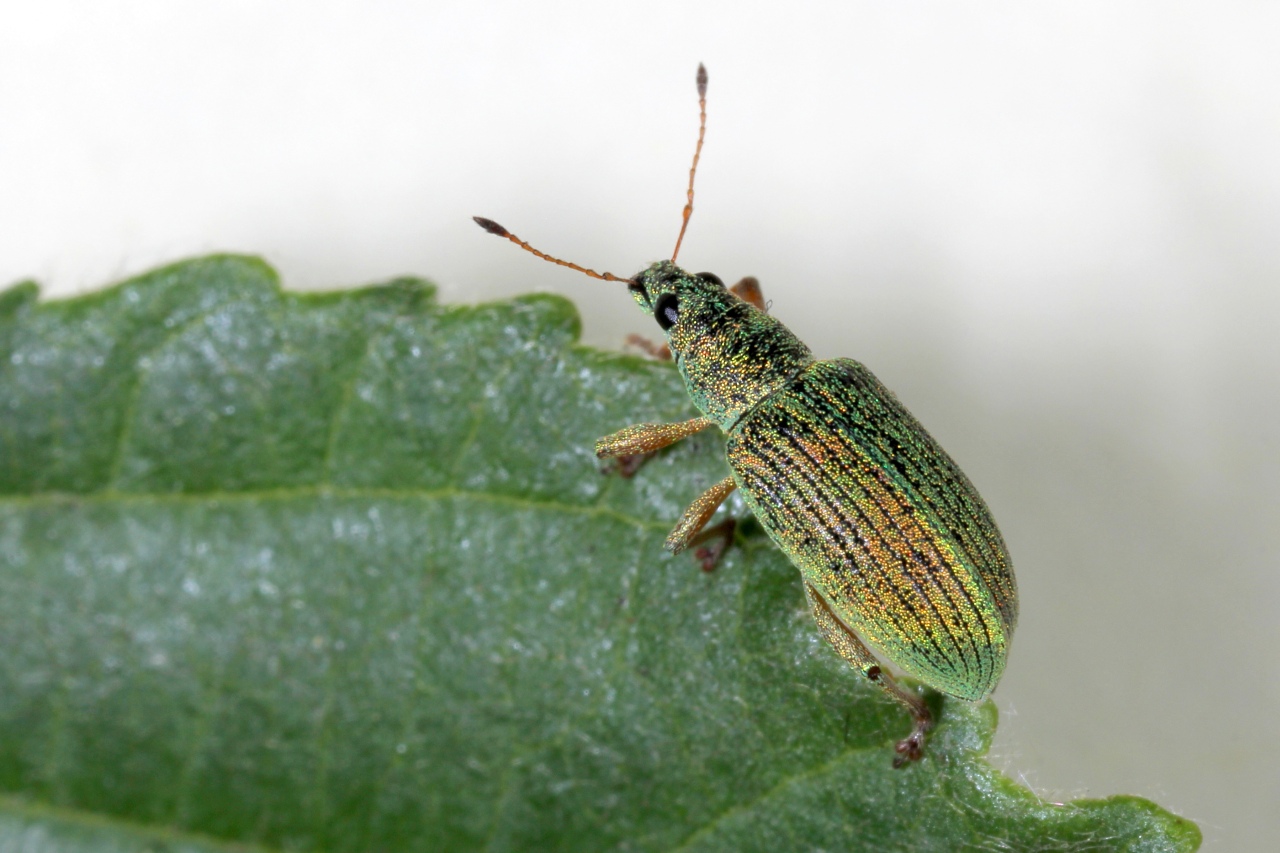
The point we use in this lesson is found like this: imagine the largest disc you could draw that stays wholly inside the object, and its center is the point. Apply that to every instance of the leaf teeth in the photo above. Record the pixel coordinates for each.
(491, 226)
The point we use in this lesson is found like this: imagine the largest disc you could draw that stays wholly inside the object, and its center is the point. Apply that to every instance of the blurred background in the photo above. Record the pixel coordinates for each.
(1052, 228)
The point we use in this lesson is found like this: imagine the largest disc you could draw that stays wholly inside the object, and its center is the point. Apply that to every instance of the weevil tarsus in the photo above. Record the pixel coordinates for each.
(852, 649)
(689, 531)
(709, 545)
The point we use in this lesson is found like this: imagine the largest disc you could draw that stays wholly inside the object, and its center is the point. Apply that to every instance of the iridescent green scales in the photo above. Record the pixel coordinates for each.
(882, 523)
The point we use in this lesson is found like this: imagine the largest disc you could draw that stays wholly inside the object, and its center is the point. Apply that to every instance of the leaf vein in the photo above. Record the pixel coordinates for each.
(135, 390)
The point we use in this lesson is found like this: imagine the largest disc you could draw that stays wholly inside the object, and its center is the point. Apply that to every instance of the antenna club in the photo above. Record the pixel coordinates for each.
(494, 228)
(702, 80)
(491, 226)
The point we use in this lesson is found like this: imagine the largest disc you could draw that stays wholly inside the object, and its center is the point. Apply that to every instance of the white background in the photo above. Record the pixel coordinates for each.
(1052, 228)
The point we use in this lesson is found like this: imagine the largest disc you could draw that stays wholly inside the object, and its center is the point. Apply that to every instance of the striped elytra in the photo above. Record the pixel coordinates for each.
(882, 523)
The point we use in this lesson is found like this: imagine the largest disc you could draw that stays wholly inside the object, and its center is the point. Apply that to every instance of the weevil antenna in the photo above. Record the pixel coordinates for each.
(697, 152)
(494, 228)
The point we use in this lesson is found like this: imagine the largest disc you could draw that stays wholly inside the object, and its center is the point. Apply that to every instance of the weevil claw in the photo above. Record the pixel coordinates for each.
(908, 749)
(911, 747)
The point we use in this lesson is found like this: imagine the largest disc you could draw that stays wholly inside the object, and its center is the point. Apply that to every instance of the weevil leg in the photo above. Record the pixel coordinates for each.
(748, 290)
(686, 532)
(712, 543)
(661, 352)
(625, 466)
(631, 446)
(849, 647)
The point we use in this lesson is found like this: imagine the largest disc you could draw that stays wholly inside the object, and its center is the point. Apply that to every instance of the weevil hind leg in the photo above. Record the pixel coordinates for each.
(689, 533)
(633, 445)
(849, 647)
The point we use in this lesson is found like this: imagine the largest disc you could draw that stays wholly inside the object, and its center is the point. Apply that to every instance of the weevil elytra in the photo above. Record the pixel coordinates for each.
(895, 547)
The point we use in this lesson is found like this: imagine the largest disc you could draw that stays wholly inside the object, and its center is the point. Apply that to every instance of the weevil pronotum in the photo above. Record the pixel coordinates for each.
(895, 547)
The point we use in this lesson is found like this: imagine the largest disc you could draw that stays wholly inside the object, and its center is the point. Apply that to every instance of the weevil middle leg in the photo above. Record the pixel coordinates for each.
(686, 532)
(849, 647)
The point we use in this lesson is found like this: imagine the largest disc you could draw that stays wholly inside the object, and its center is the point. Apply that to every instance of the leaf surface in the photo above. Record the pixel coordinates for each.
(340, 572)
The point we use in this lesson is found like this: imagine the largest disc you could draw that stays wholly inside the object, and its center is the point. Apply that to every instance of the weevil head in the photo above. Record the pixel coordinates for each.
(730, 353)
(684, 305)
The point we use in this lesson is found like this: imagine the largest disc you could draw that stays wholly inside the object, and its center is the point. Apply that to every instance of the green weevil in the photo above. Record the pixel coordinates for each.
(895, 547)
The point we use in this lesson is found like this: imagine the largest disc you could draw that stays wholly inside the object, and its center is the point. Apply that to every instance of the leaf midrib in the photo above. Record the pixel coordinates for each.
(284, 495)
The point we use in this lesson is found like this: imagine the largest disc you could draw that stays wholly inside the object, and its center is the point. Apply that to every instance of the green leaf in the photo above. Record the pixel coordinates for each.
(339, 572)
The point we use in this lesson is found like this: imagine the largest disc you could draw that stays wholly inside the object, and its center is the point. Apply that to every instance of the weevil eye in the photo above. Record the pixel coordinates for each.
(667, 311)
(711, 278)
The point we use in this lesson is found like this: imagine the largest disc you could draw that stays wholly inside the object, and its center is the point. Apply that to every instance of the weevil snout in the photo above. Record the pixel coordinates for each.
(663, 277)
(651, 282)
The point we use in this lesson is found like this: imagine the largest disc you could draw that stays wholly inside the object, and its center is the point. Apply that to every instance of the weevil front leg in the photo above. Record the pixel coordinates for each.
(686, 532)
(849, 647)
(748, 290)
(630, 446)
